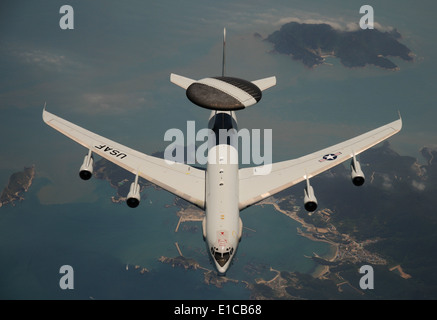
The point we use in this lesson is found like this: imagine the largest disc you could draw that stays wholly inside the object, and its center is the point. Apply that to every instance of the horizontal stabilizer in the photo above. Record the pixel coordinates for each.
(181, 81)
(265, 83)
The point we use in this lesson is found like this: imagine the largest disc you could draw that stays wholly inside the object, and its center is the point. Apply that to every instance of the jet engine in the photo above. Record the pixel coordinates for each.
(133, 197)
(310, 201)
(357, 174)
(86, 170)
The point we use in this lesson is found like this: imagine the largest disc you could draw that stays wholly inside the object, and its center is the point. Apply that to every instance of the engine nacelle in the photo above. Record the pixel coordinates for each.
(86, 170)
(133, 197)
(310, 201)
(357, 174)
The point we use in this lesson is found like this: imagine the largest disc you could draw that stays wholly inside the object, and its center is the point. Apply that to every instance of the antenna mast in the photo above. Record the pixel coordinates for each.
(224, 56)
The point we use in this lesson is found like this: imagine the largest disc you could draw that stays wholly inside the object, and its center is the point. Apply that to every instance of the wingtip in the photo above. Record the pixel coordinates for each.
(399, 122)
(400, 118)
(44, 112)
(44, 109)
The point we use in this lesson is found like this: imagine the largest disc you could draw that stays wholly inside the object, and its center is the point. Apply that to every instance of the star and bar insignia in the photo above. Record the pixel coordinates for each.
(330, 157)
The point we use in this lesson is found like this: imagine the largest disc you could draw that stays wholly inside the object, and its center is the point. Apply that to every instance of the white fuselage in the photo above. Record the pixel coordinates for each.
(222, 226)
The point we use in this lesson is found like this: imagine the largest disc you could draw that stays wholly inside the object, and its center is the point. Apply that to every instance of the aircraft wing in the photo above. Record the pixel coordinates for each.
(180, 179)
(256, 187)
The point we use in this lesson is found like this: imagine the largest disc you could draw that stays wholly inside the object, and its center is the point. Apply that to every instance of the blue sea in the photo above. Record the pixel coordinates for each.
(103, 242)
(111, 75)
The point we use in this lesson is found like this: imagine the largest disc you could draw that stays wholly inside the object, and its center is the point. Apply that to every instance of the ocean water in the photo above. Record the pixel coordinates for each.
(98, 240)
(111, 75)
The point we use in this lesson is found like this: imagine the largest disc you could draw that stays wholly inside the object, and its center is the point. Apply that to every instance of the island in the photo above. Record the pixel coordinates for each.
(210, 276)
(180, 261)
(19, 183)
(312, 43)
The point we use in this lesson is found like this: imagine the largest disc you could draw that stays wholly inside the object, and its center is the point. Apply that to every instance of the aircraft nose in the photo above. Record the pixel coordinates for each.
(222, 270)
(222, 257)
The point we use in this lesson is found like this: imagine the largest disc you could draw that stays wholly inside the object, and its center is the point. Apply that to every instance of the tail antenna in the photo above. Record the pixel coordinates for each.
(224, 56)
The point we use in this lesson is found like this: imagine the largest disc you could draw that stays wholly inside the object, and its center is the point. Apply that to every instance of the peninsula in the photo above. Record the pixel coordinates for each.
(311, 43)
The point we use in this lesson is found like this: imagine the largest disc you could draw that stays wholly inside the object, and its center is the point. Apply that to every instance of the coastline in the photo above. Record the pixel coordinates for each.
(308, 227)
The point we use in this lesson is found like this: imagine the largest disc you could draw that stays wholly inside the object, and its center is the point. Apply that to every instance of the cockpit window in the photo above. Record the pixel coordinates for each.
(222, 257)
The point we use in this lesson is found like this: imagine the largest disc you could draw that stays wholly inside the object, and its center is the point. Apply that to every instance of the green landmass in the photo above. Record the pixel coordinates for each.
(310, 43)
(19, 183)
